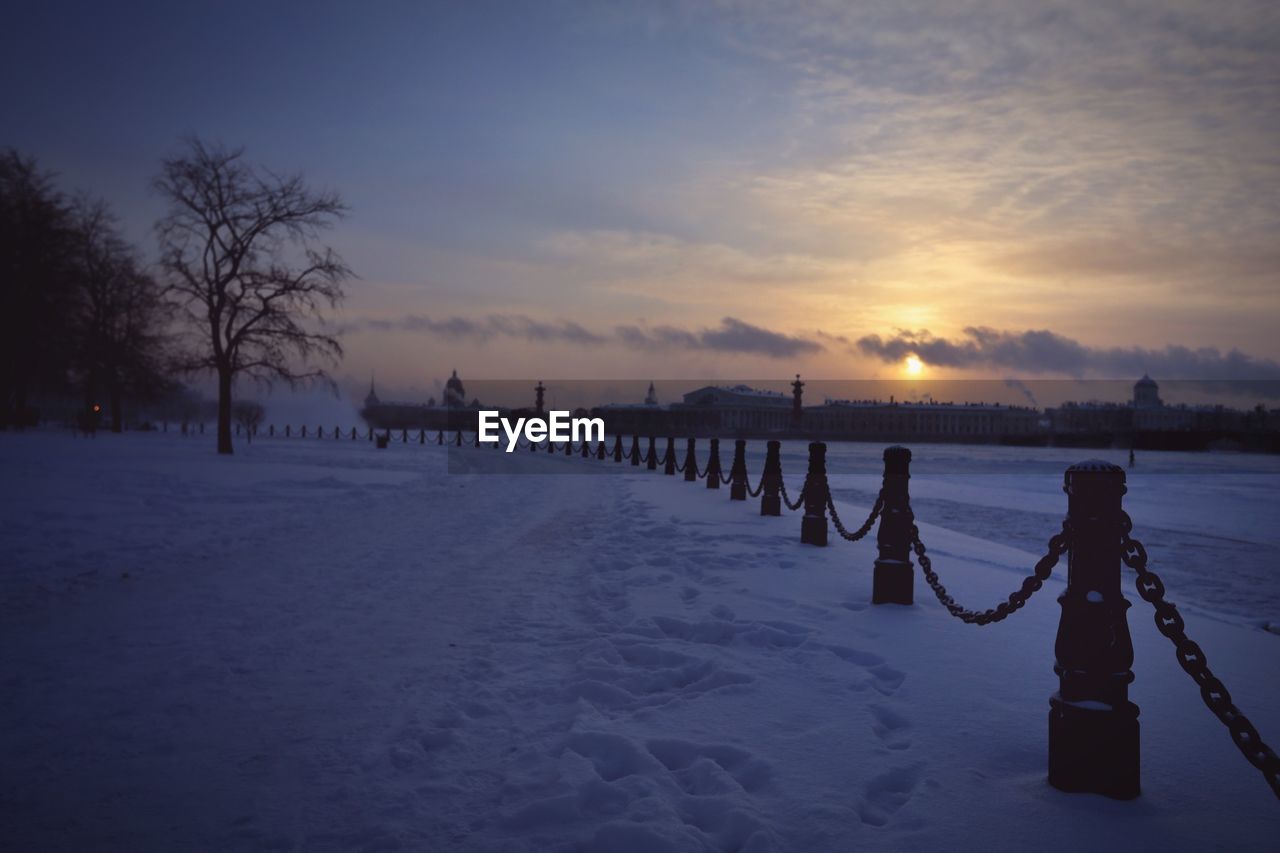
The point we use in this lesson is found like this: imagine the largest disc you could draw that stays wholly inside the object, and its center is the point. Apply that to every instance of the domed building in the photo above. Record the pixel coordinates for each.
(454, 394)
(1146, 393)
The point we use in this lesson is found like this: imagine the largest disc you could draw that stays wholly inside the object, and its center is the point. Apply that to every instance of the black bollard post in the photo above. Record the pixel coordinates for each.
(551, 445)
(652, 463)
(568, 447)
(422, 436)
(586, 449)
(337, 433)
(601, 453)
(669, 459)
(287, 430)
(354, 434)
(617, 448)
(771, 480)
(271, 431)
(320, 431)
(713, 465)
(1093, 727)
(440, 436)
(738, 471)
(457, 439)
(813, 527)
(477, 438)
(370, 434)
(690, 462)
(404, 436)
(304, 431)
(634, 455)
(237, 430)
(892, 581)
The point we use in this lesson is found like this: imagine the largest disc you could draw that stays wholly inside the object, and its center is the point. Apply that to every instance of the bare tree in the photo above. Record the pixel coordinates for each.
(249, 414)
(119, 314)
(238, 247)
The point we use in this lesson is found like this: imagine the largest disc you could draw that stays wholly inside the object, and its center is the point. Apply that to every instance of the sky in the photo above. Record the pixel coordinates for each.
(997, 188)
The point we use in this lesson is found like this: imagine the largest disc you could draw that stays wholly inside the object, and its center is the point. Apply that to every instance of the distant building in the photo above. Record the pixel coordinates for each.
(738, 408)
(1146, 393)
(454, 394)
(1148, 422)
(874, 419)
(453, 412)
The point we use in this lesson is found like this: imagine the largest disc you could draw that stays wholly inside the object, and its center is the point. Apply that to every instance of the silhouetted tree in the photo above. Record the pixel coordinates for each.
(35, 286)
(249, 414)
(238, 249)
(118, 317)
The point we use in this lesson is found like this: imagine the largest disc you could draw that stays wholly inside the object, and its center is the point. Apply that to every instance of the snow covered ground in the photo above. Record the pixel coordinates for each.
(318, 646)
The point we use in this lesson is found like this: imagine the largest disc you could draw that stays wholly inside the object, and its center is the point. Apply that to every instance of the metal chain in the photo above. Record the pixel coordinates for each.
(1059, 544)
(726, 479)
(1212, 691)
(866, 525)
(755, 493)
(782, 488)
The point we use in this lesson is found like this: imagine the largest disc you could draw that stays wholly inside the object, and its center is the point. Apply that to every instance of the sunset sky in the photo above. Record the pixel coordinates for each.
(614, 190)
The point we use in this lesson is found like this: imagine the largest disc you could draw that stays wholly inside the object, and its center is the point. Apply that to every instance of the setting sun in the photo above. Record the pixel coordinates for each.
(914, 366)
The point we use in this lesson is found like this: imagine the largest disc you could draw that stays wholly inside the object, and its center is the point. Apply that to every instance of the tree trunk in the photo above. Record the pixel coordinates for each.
(113, 400)
(224, 412)
(20, 403)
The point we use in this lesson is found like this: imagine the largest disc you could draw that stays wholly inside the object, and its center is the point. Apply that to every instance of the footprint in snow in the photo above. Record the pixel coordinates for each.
(889, 792)
(891, 727)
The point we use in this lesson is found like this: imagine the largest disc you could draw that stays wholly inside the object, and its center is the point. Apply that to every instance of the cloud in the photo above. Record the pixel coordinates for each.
(731, 336)
(486, 328)
(1042, 351)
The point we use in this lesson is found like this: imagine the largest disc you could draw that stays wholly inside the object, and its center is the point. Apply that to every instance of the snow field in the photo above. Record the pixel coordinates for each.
(320, 646)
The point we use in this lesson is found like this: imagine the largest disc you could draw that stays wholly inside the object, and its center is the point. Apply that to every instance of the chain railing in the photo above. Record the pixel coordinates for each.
(782, 489)
(1059, 544)
(1214, 693)
(866, 525)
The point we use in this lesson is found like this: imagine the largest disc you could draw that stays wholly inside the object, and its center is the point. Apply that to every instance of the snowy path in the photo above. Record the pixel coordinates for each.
(323, 647)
